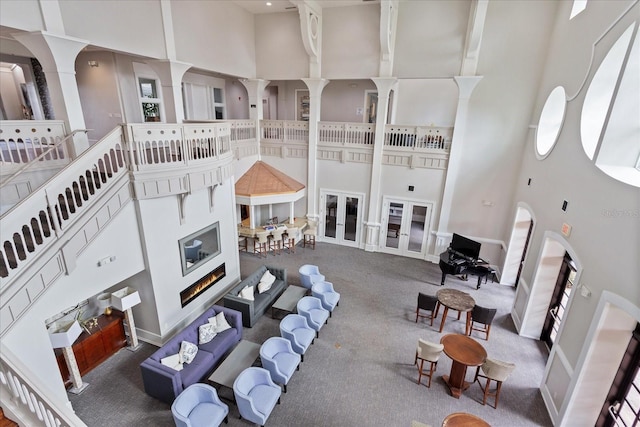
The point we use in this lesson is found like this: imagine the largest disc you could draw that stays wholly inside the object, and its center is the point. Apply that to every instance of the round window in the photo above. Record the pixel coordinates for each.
(550, 122)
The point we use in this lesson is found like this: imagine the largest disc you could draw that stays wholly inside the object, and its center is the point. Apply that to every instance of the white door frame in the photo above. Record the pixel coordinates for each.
(342, 195)
(403, 246)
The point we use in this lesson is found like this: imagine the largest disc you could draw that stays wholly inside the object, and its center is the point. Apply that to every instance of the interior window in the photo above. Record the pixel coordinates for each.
(610, 120)
(550, 122)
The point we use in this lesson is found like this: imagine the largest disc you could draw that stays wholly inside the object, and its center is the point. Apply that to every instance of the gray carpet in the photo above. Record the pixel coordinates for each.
(360, 371)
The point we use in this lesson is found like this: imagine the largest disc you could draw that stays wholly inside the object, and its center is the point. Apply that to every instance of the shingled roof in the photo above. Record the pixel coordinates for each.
(263, 180)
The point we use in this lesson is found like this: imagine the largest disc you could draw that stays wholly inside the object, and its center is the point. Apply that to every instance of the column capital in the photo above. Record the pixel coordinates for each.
(315, 85)
(466, 85)
(255, 85)
(168, 70)
(384, 85)
(55, 52)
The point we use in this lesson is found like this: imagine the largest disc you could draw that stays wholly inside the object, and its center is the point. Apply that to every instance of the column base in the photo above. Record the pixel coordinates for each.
(78, 390)
(136, 348)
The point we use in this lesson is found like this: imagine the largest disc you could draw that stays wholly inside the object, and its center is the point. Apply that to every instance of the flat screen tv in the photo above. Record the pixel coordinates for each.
(465, 246)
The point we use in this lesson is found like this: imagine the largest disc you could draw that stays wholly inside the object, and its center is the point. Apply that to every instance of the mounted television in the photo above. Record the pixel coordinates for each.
(465, 246)
(199, 247)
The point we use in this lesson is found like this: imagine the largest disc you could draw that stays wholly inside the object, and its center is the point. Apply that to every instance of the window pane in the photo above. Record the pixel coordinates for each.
(148, 88)
(219, 113)
(151, 112)
(217, 95)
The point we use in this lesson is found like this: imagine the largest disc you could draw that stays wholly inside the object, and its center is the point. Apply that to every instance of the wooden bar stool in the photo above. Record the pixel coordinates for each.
(289, 239)
(275, 240)
(309, 234)
(261, 243)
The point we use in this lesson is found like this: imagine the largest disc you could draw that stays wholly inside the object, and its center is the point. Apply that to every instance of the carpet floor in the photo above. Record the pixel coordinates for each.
(360, 370)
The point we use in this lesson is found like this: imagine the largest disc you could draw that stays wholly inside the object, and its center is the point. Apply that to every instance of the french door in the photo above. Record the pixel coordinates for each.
(405, 227)
(559, 301)
(342, 217)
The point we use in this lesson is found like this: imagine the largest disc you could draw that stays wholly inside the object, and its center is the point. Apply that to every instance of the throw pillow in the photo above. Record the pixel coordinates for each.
(188, 351)
(247, 293)
(206, 333)
(172, 361)
(268, 278)
(263, 287)
(221, 323)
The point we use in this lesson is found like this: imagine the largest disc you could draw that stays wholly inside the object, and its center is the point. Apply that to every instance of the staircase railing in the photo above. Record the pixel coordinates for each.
(23, 397)
(32, 225)
(51, 152)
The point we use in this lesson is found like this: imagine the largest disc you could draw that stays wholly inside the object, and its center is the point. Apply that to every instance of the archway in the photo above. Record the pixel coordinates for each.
(518, 245)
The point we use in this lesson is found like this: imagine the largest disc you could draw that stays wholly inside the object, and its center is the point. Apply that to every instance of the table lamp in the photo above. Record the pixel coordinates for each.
(63, 336)
(123, 300)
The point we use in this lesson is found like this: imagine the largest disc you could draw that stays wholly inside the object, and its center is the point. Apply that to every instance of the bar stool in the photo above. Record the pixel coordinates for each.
(261, 243)
(242, 244)
(310, 234)
(275, 240)
(289, 239)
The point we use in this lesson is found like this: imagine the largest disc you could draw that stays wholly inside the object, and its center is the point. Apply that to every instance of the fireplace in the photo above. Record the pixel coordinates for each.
(195, 290)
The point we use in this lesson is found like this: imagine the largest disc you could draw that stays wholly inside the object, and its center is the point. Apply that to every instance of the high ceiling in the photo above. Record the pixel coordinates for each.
(260, 6)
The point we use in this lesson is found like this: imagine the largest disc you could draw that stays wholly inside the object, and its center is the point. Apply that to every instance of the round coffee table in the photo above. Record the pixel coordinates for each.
(463, 351)
(455, 300)
(464, 419)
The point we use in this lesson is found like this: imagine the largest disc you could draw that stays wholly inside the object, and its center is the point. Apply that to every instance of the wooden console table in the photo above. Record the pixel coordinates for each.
(93, 349)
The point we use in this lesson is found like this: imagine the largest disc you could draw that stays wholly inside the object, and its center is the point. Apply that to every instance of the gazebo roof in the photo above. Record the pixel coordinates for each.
(264, 180)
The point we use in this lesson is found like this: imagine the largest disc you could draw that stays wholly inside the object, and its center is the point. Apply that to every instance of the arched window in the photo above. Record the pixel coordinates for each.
(610, 120)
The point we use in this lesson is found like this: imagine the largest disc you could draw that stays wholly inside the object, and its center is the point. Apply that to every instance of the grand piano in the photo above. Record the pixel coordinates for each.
(463, 258)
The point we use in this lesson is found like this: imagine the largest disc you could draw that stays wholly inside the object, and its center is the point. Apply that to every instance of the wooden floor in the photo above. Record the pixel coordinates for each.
(5, 422)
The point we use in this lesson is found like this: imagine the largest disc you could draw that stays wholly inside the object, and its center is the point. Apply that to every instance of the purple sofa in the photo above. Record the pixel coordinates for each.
(165, 383)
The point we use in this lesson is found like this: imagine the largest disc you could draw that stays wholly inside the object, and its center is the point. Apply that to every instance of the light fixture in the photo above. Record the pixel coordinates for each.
(104, 303)
(123, 300)
(93, 64)
(63, 336)
(268, 3)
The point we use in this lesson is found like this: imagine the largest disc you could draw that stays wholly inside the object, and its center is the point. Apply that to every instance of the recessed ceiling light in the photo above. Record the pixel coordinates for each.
(268, 3)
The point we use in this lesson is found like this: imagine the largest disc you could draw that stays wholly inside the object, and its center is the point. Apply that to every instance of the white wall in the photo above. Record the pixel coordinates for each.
(202, 36)
(161, 234)
(430, 38)
(21, 14)
(341, 100)
(280, 53)
(87, 279)
(603, 213)
(11, 100)
(426, 102)
(499, 116)
(351, 42)
(127, 26)
(98, 83)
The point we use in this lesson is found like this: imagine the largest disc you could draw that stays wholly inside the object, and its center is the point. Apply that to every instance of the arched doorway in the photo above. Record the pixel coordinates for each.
(531, 304)
(518, 245)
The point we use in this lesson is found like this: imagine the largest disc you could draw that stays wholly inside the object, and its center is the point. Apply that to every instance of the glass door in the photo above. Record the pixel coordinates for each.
(341, 212)
(405, 227)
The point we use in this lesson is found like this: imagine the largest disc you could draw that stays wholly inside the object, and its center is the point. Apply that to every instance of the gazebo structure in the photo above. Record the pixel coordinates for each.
(265, 185)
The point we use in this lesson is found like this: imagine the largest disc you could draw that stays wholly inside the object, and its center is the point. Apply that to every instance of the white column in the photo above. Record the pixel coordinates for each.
(74, 371)
(384, 86)
(466, 85)
(170, 73)
(315, 101)
(255, 91)
(57, 54)
(133, 334)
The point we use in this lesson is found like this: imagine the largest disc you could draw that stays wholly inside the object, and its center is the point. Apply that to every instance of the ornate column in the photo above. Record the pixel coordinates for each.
(255, 90)
(466, 85)
(57, 54)
(170, 74)
(315, 101)
(372, 225)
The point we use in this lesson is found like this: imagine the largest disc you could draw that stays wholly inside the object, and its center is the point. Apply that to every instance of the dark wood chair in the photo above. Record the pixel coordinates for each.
(427, 303)
(481, 318)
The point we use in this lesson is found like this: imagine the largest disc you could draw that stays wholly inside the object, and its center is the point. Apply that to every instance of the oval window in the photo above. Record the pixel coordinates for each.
(550, 122)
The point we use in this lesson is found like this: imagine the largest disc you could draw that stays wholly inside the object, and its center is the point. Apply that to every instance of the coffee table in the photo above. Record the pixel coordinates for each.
(243, 356)
(464, 352)
(455, 300)
(288, 300)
